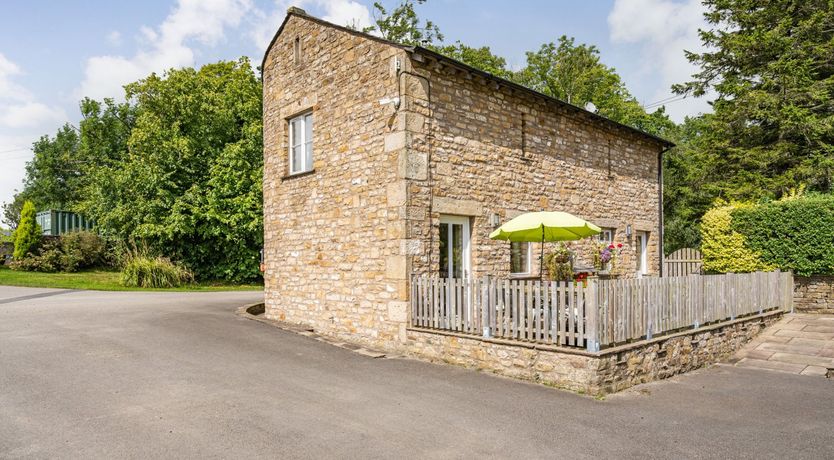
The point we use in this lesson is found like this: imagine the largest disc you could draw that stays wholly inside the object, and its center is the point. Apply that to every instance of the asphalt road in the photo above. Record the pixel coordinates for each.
(178, 375)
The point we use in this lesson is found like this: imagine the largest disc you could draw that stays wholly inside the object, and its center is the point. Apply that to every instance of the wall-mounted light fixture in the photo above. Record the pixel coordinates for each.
(494, 220)
(628, 231)
(395, 101)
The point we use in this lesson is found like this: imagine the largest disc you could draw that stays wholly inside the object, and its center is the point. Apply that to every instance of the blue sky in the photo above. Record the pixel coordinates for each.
(53, 53)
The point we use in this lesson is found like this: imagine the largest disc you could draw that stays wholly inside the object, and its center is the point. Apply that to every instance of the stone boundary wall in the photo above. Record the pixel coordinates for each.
(609, 371)
(813, 294)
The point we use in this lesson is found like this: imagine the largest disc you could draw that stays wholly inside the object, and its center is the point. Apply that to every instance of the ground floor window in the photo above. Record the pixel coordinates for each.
(520, 258)
(642, 253)
(454, 247)
(606, 235)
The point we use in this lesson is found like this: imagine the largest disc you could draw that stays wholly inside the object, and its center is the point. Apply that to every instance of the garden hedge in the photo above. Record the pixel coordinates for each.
(793, 234)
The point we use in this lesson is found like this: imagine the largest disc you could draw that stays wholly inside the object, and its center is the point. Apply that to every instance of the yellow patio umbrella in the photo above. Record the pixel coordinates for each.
(542, 226)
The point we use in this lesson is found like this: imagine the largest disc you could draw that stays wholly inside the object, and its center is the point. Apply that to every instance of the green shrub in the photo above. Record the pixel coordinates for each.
(28, 232)
(725, 250)
(48, 258)
(793, 234)
(82, 249)
(142, 270)
(68, 253)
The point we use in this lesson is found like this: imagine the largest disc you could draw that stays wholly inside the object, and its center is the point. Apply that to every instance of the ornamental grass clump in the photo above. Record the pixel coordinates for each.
(146, 271)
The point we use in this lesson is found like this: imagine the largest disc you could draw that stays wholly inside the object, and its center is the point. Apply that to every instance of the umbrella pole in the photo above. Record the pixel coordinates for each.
(541, 256)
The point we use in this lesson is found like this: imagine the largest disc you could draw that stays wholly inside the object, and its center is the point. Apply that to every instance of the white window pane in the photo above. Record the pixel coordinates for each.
(308, 165)
(308, 128)
(296, 132)
(295, 159)
(519, 257)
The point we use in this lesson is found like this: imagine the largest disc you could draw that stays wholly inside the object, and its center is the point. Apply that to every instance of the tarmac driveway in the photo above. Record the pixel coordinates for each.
(113, 375)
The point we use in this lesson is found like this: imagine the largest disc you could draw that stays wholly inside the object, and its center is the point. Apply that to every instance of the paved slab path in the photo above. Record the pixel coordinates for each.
(178, 375)
(797, 344)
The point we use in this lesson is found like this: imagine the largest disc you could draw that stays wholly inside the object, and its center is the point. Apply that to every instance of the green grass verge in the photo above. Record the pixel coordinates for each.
(101, 280)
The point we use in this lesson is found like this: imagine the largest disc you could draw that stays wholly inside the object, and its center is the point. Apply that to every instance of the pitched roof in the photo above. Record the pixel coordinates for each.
(419, 50)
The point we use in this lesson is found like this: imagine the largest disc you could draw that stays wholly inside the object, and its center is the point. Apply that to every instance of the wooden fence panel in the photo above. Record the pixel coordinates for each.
(603, 313)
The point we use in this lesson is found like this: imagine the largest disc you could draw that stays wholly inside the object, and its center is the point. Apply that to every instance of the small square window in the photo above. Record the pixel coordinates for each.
(520, 258)
(301, 144)
(606, 236)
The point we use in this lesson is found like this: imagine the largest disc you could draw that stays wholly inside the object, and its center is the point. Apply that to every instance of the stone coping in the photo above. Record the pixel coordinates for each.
(603, 352)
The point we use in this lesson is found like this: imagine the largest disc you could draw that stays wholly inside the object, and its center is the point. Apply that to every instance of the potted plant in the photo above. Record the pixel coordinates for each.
(606, 256)
(559, 263)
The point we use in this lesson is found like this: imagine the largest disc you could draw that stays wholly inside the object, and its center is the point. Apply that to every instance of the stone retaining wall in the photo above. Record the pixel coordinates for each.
(814, 294)
(609, 371)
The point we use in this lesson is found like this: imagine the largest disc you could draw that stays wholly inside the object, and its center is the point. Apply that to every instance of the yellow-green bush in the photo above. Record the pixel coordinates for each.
(725, 250)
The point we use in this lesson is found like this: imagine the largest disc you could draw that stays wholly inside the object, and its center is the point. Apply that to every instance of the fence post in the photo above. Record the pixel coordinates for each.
(485, 303)
(592, 315)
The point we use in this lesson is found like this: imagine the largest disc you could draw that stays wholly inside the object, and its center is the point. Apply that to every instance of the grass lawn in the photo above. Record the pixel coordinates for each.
(101, 281)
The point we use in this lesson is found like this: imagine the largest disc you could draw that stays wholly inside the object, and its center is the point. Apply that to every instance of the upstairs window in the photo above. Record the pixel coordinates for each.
(520, 258)
(301, 144)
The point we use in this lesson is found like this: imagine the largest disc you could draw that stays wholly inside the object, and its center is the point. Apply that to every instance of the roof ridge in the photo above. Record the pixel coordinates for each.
(296, 11)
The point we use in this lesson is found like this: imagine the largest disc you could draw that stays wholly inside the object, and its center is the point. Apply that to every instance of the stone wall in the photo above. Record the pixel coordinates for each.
(492, 149)
(664, 357)
(814, 294)
(328, 234)
(609, 371)
(341, 242)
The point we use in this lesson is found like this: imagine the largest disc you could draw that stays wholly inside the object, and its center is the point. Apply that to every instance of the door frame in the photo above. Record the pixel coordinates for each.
(643, 253)
(449, 219)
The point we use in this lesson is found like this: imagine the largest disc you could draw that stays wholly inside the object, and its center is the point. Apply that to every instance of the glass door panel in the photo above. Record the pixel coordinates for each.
(454, 247)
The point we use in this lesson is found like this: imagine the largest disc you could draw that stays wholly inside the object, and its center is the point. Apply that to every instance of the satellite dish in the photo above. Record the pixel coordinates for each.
(590, 107)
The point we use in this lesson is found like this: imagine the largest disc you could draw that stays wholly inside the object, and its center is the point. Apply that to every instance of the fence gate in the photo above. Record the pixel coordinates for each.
(683, 262)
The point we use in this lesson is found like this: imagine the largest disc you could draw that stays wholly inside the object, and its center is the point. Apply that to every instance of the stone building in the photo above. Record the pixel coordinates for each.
(382, 161)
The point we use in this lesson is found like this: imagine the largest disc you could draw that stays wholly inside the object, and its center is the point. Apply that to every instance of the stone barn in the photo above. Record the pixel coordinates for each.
(383, 161)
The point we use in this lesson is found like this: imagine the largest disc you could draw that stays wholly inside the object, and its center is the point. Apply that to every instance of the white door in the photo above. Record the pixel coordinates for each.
(454, 247)
(642, 254)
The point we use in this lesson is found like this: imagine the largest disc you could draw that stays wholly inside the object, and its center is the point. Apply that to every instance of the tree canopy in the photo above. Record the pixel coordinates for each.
(771, 65)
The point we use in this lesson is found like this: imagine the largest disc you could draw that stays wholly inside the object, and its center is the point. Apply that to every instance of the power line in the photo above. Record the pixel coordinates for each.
(664, 102)
(14, 150)
(15, 158)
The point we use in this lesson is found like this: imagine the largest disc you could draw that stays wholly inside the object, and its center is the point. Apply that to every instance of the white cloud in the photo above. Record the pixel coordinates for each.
(114, 38)
(18, 107)
(167, 46)
(22, 119)
(663, 29)
(342, 12)
(30, 114)
(9, 90)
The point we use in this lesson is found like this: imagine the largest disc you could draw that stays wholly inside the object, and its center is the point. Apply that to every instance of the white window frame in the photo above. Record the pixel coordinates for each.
(466, 268)
(606, 235)
(643, 253)
(303, 120)
(529, 260)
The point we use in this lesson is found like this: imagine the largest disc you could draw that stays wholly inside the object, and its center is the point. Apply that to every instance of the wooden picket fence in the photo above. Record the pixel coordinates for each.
(598, 314)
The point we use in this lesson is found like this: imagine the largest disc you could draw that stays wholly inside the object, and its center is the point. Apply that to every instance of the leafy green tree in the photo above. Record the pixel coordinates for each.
(52, 176)
(12, 209)
(688, 189)
(575, 74)
(480, 58)
(402, 25)
(771, 65)
(189, 180)
(28, 232)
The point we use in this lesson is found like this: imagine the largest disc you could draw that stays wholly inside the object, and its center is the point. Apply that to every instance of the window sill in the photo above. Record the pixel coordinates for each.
(298, 174)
